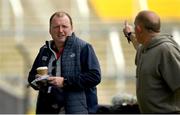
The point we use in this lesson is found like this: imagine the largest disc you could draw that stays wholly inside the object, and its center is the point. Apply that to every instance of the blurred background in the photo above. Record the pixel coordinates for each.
(24, 28)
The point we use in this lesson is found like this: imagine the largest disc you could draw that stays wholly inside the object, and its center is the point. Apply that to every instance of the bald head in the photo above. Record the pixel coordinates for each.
(149, 20)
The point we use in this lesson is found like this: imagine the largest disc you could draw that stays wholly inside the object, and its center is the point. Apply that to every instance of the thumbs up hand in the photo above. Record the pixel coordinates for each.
(127, 30)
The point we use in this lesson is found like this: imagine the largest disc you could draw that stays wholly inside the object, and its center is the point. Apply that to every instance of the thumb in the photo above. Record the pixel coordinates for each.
(126, 23)
(50, 78)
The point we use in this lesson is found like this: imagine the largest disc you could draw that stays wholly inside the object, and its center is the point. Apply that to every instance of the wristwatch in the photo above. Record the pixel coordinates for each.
(128, 36)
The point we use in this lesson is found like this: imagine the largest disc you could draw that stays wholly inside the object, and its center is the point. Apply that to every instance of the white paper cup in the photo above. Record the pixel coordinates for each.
(42, 70)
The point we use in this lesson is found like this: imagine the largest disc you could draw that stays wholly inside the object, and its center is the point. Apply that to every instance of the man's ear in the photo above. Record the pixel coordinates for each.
(139, 29)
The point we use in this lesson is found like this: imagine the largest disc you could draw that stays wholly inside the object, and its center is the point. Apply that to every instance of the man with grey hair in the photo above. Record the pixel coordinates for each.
(158, 65)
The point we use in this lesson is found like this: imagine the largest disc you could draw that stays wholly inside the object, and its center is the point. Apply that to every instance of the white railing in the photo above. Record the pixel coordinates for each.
(119, 58)
(19, 22)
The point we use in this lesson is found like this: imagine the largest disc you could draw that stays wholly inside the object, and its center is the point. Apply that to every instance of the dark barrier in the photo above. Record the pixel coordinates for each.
(118, 109)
